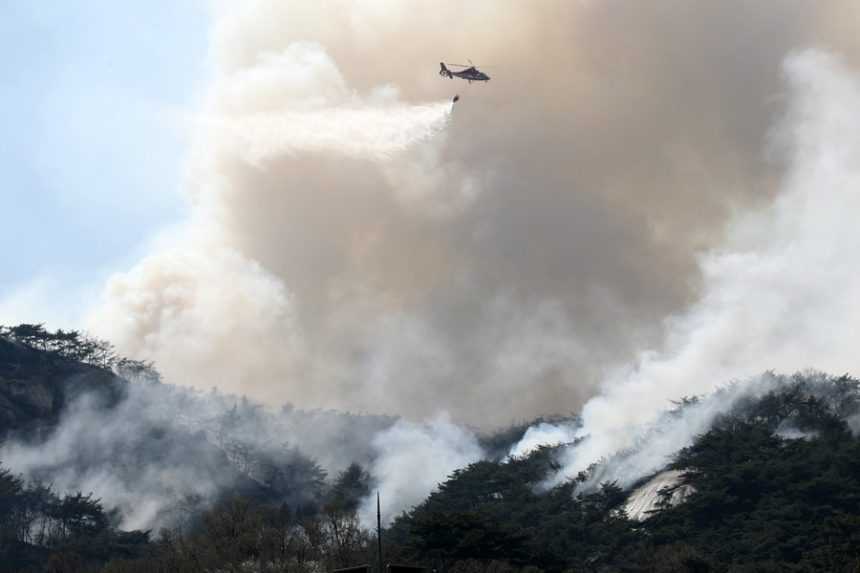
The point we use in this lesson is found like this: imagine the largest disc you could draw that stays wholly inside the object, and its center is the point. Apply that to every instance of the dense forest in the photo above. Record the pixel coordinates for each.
(773, 485)
(764, 499)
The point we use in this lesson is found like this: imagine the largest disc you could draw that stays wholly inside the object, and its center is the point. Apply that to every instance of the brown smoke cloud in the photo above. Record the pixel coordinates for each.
(357, 244)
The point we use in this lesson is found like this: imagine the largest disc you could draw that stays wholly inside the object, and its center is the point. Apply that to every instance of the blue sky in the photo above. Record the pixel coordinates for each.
(91, 154)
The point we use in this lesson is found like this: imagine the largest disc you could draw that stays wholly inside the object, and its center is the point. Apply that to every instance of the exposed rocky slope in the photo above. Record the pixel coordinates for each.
(36, 386)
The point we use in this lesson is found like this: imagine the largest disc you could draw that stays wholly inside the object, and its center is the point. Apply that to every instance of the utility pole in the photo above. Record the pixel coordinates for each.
(379, 534)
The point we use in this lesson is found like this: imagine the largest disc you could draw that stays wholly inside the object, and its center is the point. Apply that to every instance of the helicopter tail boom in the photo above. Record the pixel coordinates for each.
(444, 71)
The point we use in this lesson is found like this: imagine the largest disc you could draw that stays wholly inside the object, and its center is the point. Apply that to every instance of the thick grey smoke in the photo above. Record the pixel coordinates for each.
(356, 243)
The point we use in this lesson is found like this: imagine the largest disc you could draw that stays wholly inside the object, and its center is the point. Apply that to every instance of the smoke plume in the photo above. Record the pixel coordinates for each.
(782, 293)
(355, 241)
(162, 453)
(412, 459)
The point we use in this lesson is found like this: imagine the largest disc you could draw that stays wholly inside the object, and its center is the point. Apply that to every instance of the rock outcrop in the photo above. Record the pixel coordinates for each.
(35, 386)
(665, 487)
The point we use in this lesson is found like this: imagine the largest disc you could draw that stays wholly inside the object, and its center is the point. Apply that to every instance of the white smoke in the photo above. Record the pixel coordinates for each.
(91, 452)
(297, 101)
(159, 453)
(544, 434)
(785, 290)
(377, 132)
(412, 459)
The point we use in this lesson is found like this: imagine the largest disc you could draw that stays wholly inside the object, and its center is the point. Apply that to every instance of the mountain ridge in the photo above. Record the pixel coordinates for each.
(773, 484)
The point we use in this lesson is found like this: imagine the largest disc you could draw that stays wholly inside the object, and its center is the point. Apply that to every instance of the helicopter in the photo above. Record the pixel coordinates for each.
(470, 73)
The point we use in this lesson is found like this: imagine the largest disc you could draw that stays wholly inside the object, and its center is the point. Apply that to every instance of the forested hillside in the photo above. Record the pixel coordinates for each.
(773, 485)
(74, 420)
(776, 487)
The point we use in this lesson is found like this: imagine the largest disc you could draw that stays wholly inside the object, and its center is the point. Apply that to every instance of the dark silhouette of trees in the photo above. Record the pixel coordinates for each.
(345, 537)
(776, 488)
(78, 347)
(242, 535)
(40, 530)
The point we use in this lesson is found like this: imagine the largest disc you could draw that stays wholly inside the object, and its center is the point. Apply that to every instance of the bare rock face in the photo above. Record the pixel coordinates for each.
(35, 386)
(646, 499)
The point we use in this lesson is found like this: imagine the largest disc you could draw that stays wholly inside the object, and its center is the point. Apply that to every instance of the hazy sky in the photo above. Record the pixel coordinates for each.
(92, 152)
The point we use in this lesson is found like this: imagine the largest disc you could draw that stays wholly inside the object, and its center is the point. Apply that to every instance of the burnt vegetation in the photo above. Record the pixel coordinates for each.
(775, 487)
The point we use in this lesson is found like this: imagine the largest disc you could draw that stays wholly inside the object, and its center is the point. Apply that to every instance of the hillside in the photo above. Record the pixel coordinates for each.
(36, 386)
(72, 423)
(157, 455)
(772, 485)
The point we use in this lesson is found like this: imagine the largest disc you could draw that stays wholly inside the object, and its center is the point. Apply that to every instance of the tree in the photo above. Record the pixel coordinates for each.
(137, 370)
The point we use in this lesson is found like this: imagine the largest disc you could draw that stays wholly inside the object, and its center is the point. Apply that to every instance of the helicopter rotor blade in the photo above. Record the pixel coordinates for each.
(467, 66)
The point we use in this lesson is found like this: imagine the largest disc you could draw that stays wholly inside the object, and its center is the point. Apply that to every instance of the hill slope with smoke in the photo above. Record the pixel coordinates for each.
(770, 486)
(763, 455)
(394, 256)
(160, 454)
(625, 214)
(633, 211)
